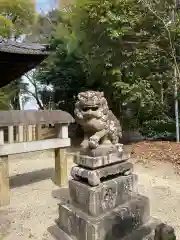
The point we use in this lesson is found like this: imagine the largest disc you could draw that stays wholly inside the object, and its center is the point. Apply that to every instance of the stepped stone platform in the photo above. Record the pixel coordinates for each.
(114, 224)
(110, 210)
(104, 202)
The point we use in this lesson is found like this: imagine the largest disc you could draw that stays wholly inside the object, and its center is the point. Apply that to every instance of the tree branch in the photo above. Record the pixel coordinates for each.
(36, 98)
(173, 51)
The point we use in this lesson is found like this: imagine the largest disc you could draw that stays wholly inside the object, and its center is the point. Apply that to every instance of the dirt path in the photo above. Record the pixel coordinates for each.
(33, 209)
(161, 183)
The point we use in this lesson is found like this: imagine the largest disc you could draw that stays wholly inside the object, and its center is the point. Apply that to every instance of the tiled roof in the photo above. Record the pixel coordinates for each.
(22, 48)
(18, 58)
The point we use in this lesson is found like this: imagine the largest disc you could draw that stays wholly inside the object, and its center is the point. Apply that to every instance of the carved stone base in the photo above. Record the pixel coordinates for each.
(112, 225)
(145, 232)
(103, 198)
(100, 161)
(95, 177)
(102, 150)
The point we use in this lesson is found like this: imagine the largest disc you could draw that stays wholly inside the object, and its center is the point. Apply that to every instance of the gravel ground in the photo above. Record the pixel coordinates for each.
(161, 183)
(33, 209)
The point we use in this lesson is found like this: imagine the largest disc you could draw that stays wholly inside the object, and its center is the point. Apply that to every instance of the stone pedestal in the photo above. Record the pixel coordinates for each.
(104, 197)
(104, 202)
(114, 224)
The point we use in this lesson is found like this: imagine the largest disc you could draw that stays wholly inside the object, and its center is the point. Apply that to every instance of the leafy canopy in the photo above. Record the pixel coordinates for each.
(16, 17)
(125, 48)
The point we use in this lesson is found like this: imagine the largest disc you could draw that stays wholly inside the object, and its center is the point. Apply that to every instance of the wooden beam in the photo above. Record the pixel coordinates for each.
(61, 165)
(24, 147)
(29, 133)
(32, 117)
(20, 133)
(1, 136)
(4, 176)
(61, 178)
(4, 181)
(10, 134)
(34, 133)
(38, 132)
(62, 131)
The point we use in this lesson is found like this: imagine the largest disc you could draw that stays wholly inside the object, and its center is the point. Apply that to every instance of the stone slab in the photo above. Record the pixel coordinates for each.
(100, 161)
(144, 232)
(104, 197)
(96, 176)
(57, 234)
(115, 224)
(102, 150)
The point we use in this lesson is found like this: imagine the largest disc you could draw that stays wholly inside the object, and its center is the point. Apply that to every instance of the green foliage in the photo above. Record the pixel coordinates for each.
(17, 17)
(5, 26)
(44, 25)
(66, 75)
(8, 96)
(126, 48)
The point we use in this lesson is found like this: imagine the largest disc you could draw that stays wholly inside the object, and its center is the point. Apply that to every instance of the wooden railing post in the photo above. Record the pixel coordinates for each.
(29, 133)
(34, 132)
(20, 133)
(4, 176)
(11, 134)
(38, 132)
(61, 176)
(24, 133)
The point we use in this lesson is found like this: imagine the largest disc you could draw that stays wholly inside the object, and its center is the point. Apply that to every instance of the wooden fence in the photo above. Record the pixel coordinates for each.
(22, 133)
(22, 137)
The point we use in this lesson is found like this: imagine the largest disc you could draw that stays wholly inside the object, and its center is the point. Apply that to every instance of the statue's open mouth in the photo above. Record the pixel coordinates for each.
(90, 107)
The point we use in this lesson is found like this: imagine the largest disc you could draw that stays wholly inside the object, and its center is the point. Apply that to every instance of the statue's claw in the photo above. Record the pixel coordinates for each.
(93, 142)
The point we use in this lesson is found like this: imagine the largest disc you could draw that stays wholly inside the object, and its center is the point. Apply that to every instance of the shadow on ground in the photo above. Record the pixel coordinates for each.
(61, 194)
(31, 177)
(56, 233)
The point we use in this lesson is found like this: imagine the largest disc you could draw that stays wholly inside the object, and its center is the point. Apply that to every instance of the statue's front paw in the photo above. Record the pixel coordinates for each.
(93, 142)
(85, 143)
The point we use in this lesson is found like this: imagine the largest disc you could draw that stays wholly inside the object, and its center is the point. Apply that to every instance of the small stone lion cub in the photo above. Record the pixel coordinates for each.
(164, 232)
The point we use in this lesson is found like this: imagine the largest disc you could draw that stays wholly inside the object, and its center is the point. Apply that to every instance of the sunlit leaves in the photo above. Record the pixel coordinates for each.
(5, 26)
(122, 48)
(19, 15)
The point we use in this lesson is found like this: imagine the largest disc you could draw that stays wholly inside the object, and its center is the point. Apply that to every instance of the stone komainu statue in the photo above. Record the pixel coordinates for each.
(99, 124)
(164, 232)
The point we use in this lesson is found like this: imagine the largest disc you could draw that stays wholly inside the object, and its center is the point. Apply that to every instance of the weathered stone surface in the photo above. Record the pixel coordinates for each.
(94, 177)
(106, 196)
(103, 150)
(144, 232)
(164, 232)
(103, 203)
(58, 234)
(100, 161)
(113, 225)
(100, 125)
(33, 117)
